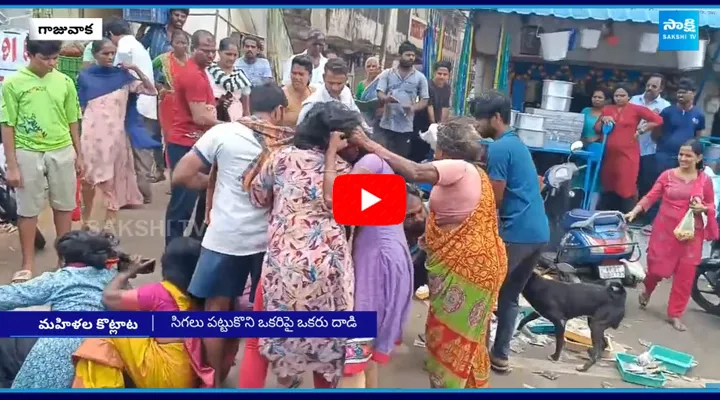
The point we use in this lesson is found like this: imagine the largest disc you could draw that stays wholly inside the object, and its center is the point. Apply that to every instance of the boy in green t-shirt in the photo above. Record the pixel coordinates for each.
(39, 120)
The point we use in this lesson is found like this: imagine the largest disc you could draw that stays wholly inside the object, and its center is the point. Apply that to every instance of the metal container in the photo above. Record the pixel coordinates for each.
(556, 103)
(513, 117)
(531, 137)
(557, 88)
(530, 121)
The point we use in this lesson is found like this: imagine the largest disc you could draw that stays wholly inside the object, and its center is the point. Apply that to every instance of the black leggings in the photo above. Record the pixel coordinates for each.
(611, 201)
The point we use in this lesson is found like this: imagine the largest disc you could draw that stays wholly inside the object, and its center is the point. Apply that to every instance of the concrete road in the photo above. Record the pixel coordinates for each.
(141, 231)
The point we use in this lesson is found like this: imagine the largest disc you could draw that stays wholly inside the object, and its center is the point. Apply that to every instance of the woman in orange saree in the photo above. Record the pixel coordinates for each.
(167, 66)
(466, 258)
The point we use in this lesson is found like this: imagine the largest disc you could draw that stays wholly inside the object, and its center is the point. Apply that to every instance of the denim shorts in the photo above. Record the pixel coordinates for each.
(222, 275)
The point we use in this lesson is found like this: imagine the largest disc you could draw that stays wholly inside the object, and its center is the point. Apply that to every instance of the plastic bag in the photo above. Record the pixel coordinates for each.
(686, 228)
(430, 136)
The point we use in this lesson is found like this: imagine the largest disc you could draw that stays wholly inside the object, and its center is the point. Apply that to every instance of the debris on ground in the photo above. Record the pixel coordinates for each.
(644, 343)
(526, 386)
(420, 341)
(606, 385)
(547, 374)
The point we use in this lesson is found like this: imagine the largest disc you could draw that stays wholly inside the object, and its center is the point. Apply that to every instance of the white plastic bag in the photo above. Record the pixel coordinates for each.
(430, 137)
(685, 230)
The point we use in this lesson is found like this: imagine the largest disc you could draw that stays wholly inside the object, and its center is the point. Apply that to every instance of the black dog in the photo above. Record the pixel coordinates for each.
(559, 301)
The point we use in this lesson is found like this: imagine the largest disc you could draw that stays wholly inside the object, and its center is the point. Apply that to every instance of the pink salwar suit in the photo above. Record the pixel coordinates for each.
(666, 255)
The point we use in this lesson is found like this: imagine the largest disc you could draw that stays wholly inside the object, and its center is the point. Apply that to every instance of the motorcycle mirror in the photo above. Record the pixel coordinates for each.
(575, 146)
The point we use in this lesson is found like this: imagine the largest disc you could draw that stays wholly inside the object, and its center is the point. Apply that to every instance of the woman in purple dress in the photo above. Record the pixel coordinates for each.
(383, 283)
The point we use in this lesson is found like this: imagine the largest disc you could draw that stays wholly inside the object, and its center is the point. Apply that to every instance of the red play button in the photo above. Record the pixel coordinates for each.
(369, 199)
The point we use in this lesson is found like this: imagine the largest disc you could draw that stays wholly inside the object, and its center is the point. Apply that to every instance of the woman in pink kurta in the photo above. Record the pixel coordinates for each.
(680, 189)
(109, 161)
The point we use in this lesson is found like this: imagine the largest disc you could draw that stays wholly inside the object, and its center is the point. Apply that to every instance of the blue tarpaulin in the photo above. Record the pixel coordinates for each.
(642, 15)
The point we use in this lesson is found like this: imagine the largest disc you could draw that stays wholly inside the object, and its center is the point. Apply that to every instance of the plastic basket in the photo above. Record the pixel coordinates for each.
(70, 66)
(154, 16)
(673, 360)
(654, 380)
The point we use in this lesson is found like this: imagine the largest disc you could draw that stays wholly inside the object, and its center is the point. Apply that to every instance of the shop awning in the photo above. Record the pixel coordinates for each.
(709, 19)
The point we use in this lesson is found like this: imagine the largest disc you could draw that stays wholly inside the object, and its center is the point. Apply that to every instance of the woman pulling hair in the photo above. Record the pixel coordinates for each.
(680, 189)
(299, 88)
(230, 86)
(308, 265)
(148, 362)
(466, 259)
(78, 286)
(110, 125)
(383, 272)
(167, 67)
(621, 160)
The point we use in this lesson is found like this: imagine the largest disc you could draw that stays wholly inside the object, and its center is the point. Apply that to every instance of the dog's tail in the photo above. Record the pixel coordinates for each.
(616, 290)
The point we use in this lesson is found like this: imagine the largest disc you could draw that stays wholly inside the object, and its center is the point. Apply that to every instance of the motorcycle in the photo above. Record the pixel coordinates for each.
(597, 246)
(8, 204)
(708, 273)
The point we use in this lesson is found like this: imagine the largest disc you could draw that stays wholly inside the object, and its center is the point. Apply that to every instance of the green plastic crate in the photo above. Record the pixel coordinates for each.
(70, 66)
(673, 360)
(648, 380)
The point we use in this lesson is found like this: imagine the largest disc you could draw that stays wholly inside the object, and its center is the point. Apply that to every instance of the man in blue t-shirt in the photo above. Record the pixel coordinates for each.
(522, 219)
(681, 122)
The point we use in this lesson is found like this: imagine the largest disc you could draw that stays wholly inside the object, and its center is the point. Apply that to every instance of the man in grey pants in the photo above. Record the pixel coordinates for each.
(522, 220)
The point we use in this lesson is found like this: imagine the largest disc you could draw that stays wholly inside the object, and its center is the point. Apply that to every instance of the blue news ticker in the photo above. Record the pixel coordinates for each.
(296, 324)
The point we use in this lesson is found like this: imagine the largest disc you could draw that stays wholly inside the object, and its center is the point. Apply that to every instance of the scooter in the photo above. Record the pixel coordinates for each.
(707, 280)
(584, 243)
(8, 204)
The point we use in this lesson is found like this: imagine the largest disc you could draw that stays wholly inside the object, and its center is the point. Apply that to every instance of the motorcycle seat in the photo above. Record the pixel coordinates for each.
(579, 215)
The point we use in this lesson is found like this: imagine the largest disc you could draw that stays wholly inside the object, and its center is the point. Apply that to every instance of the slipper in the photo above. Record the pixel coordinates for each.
(22, 276)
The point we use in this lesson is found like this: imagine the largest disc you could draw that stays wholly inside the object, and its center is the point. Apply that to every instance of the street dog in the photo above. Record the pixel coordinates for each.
(604, 306)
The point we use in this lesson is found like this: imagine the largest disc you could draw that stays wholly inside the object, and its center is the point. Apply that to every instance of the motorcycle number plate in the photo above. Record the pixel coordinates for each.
(611, 271)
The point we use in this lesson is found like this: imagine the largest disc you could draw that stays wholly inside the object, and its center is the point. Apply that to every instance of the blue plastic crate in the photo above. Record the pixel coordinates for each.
(673, 360)
(648, 380)
(155, 16)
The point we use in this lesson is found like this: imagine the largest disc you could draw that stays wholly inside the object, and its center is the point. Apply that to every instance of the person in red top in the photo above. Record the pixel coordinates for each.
(194, 114)
(621, 161)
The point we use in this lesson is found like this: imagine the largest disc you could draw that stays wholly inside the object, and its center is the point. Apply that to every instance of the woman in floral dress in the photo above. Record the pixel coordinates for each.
(106, 93)
(308, 266)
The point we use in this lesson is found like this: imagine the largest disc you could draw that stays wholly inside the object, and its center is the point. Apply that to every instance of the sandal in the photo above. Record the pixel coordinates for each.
(22, 276)
(501, 366)
(647, 230)
(643, 299)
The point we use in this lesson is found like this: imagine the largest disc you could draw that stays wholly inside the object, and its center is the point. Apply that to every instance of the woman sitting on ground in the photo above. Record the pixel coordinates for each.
(78, 286)
(148, 362)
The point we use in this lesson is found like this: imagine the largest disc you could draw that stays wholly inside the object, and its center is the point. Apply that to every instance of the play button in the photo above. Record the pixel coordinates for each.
(367, 199)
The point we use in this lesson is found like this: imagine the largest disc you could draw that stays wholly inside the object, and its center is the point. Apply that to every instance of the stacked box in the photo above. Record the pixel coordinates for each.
(562, 127)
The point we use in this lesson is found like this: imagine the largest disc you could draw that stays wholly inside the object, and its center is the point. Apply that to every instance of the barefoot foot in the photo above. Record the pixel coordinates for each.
(677, 324)
(643, 299)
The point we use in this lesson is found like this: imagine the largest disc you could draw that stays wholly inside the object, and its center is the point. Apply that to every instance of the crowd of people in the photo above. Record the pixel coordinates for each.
(255, 163)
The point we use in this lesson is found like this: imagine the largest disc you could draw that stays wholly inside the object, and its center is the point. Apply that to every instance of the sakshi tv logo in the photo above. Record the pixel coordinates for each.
(679, 30)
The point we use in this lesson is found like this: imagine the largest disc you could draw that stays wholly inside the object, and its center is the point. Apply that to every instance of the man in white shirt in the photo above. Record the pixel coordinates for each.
(334, 88)
(236, 238)
(653, 100)
(129, 50)
(315, 47)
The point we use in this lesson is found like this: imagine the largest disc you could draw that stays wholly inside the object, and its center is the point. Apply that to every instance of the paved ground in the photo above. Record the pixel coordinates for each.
(141, 232)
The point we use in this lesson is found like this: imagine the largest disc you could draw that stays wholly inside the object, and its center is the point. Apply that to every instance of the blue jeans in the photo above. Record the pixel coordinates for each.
(522, 259)
(182, 202)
